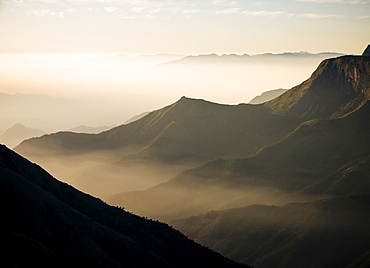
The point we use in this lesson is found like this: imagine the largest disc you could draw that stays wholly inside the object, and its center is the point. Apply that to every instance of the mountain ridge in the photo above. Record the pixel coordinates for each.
(246, 58)
(312, 151)
(17, 133)
(345, 78)
(194, 131)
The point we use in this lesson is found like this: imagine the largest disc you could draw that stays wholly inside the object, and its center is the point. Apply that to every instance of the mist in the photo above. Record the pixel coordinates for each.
(106, 89)
(61, 92)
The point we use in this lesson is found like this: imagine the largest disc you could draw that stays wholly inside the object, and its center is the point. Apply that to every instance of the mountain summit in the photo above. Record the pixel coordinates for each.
(334, 85)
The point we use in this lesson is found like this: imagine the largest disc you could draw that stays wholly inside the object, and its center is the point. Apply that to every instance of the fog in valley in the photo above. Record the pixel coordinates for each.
(172, 138)
(61, 92)
(104, 90)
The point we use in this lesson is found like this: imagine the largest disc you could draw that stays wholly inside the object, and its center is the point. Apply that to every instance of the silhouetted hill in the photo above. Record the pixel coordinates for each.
(17, 133)
(322, 233)
(49, 223)
(136, 117)
(267, 96)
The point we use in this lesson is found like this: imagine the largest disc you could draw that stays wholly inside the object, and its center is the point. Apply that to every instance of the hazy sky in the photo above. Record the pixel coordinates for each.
(177, 26)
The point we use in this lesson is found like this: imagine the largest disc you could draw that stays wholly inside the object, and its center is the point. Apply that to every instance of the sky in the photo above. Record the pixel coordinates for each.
(180, 26)
(67, 49)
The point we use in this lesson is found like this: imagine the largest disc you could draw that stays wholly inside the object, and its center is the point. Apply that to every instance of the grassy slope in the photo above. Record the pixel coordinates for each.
(312, 151)
(324, 233)
(333, 84)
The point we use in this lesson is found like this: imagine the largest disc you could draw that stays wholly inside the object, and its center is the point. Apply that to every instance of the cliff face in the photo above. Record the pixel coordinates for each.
(334, 84)
(349, 74)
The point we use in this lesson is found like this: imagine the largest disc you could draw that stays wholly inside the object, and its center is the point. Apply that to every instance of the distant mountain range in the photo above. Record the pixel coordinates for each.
(48, 223)
(245, 58)
(17, 133)
(267, 96)
(53, 114)
(136, 117)
(37, 110)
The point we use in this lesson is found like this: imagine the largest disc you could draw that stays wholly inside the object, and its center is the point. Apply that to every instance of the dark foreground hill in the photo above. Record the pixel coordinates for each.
(325, 233)
(48, 223)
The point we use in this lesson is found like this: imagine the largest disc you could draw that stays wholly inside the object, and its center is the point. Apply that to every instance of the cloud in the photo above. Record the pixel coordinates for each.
(321, 16)
(229, 11)
(154, 9)
(363, 17)
(352, 2)
(110, 9)
(266, 13)
(48, 13)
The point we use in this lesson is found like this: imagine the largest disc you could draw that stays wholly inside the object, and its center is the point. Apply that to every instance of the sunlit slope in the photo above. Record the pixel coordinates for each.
(158, 146)
(336, 83)
(196, 131)
(312, 151)
(325, 233)
(49, 223)
(197, 128)
(189, 128)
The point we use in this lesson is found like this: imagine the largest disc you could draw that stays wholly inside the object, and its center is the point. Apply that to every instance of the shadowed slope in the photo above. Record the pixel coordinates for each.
(314, 150)
(48, 222)
(324, 233)
(350, 179)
